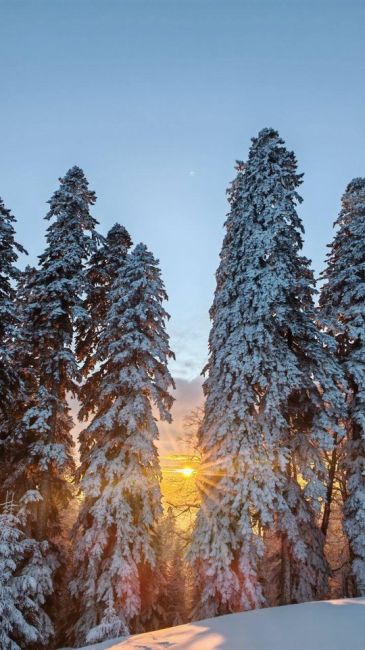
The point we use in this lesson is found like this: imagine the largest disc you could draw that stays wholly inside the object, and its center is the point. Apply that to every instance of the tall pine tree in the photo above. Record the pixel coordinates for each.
(55, 308)
(29, 565)
(271, 398)
(102, 270)
(343, 312)
(49, 306)
(49, 301)
(22, 476)
(115, 556)
(10, 386)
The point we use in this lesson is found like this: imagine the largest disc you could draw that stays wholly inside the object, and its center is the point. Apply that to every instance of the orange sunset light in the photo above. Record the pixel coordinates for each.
(186, 471)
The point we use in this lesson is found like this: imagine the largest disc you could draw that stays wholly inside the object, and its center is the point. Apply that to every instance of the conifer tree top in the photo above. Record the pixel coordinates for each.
(9, 250)
(345, 261)
(71, 237)
(119, 233)
(73, 183)
(357, 184)
(72, 200)
(353, 201)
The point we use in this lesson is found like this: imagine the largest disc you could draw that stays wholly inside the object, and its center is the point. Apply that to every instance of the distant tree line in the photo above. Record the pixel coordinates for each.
(86, 551)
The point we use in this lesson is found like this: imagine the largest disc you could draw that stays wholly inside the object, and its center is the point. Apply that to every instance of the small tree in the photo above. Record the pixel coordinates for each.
(25, 582)
(343, 312)
(173, 599)
(115, 555)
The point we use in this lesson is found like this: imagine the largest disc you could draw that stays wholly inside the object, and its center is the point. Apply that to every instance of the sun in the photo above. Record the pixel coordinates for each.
(186, 471)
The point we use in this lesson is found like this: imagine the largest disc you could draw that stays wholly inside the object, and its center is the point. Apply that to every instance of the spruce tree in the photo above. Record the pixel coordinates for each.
(56, 305)
(22, 475)
(271, 398)
(49, 306)
(115, 555)
(28, 564)
(10, 387)
(102, 270)
(343, 313)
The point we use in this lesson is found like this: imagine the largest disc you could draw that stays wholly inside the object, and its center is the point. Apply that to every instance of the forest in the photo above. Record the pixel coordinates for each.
(90, 548)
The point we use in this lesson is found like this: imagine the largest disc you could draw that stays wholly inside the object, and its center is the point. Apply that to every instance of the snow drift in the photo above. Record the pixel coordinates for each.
(327, 625)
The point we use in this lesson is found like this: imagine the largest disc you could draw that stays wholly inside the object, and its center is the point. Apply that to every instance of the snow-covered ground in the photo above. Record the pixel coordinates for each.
(329, 625)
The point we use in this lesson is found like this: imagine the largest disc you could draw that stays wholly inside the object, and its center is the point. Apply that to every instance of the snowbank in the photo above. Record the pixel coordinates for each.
(328, 625)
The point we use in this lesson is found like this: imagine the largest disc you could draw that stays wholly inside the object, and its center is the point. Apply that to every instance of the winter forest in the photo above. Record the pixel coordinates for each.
(90, 546)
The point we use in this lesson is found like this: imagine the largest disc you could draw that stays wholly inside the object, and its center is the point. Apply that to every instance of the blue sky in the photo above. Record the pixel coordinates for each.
(156, 99)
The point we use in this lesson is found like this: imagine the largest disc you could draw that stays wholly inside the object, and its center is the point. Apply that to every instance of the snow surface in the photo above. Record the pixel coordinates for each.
(327, 625)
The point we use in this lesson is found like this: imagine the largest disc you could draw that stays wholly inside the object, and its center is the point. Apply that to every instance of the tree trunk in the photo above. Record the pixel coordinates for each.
(285, 578)
(45, 486)
(329, 493)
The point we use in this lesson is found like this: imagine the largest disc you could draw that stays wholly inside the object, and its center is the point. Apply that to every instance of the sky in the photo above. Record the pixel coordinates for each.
(155, 100)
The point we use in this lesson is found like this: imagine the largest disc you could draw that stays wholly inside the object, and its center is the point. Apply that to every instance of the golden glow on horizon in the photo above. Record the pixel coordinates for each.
(179, 473)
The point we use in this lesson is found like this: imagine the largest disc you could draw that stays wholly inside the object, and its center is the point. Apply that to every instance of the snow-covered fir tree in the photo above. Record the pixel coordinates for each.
(9, 381)
(54, 305)
(25, 581)
(343, 312)
(115, 581)
(28, 578)
(21, 476)
(49, 305)
(102, 270)
(272, 394)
